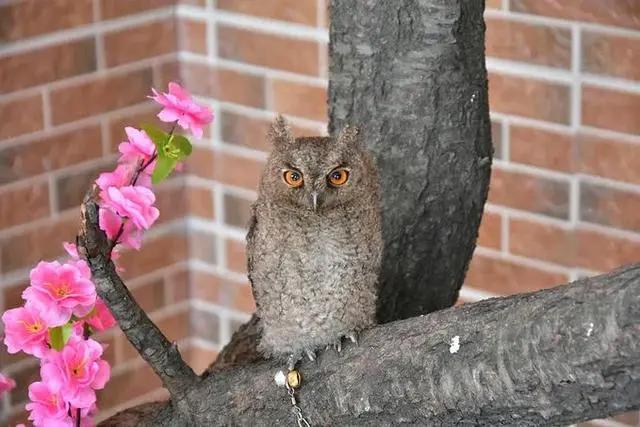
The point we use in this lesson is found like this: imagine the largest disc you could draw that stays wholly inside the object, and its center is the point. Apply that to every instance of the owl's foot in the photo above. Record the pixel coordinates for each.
(294, 358)
(337, 345)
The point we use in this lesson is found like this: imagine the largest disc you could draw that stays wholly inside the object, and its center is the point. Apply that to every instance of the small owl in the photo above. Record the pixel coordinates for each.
(314, 243)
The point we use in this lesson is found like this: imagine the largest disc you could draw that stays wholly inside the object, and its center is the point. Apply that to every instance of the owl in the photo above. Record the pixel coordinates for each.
(314, 243)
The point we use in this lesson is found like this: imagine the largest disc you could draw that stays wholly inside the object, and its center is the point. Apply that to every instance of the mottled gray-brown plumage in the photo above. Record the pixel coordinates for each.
(314, 249)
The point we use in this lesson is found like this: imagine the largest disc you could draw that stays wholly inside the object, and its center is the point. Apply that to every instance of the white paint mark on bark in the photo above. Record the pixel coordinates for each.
(455, 344)
(590, 330)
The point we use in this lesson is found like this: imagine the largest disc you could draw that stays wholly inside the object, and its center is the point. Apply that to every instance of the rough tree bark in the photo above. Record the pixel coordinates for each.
(411, 72)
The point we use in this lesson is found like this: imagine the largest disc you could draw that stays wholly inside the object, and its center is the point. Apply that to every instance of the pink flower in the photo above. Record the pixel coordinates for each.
(76, 372)
(59, 290)
(47, 406)
(121, 177)
(25, 331)
(134, 203)
(110, 222)
(6, 383)
(179, 106)
(139, 147)
(101, 318)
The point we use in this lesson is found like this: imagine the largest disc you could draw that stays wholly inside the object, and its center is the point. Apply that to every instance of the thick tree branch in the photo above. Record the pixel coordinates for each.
(553, 357)
(145, 336)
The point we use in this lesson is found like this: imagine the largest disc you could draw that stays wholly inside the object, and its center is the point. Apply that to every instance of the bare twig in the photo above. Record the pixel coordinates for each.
(162, 355)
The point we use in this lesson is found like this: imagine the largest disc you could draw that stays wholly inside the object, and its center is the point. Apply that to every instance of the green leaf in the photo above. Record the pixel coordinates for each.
(182, 144)
(157, 135)
(164, 166)
(59, 336)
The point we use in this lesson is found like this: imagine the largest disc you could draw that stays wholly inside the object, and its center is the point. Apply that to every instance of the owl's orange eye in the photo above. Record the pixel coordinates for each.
(293, 178)
(338, 177)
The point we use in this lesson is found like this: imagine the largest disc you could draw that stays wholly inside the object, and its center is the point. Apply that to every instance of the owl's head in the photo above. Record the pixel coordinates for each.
(316, 174)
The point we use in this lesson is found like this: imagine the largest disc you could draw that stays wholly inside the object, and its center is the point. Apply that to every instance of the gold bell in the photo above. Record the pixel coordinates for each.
(294, 378)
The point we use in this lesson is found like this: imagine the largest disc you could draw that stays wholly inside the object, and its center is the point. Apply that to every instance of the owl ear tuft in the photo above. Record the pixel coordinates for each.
(280, 132)
(349, 135)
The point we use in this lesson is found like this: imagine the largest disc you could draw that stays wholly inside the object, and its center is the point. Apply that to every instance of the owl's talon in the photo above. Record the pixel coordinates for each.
(353, 336)
(292, 360)
(311, 355)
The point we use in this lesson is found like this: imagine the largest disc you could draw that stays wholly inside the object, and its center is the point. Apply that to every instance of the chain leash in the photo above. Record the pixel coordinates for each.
(292, 381)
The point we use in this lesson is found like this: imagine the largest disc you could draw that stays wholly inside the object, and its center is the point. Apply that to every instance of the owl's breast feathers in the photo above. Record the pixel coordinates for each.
(313, 276)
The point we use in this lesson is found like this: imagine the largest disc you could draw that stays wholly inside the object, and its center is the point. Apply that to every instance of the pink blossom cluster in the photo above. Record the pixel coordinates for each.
(62, 298)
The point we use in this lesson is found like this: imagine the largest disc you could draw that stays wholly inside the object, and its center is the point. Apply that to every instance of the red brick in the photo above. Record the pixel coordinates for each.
(616, 56)
(624, 13)
(223, 292)
(193, 35)
(224, 84)
(177, 285)
(236, 170)
(167, 71)
(49, 154)
(144, 116)
(609, 206)
(608, 158)
(19, 205)
(236, 257)
(159, 252)
(116, 8)
(536, 44)
(298, 11)
(200, 163)
(299, 99)
(541, 148)
(21, 115)
(170, 201)
(493, 4)
(199, 358)
(100, 95)
(519, 190)
(542, 241)
(63, 60)
(43, 242)
(251, 132)
(268, 50)
(29, 18)
(175, 326)
(490, 233)
(72, 187)
(506, 277)
(150, 295)
(23, 378)
(202, 246)
(141, 42)
(13, 295)
(205, 325)
(544, 100)
(236, 210)
(610, 109)
(496, 139)
(602, 252)
(200, 202)
(127, 385)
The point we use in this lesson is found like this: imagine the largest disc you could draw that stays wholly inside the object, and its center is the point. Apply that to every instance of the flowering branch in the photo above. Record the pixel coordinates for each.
(162, 355)
(65, 303)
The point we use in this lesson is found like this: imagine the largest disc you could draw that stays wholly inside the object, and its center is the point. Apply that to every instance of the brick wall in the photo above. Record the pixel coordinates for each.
(565, 101)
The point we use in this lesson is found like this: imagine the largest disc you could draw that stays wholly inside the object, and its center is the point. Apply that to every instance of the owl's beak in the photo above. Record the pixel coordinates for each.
(314, 200)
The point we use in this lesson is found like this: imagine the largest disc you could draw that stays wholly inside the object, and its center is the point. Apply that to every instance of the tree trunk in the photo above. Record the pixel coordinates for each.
(411, 74)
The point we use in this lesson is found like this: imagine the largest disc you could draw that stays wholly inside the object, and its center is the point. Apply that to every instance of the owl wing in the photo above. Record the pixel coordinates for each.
(253, 222)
